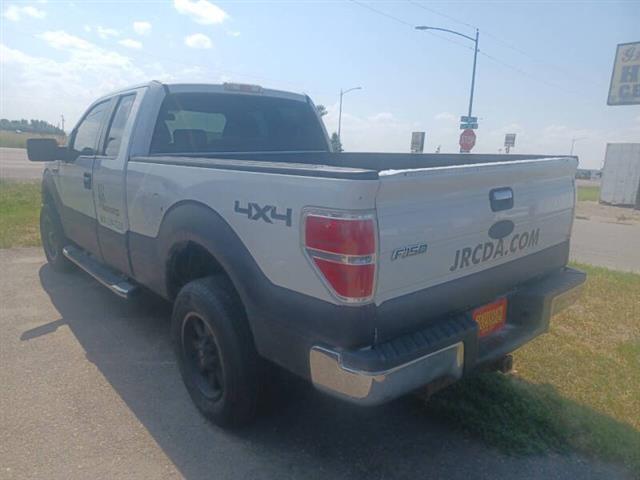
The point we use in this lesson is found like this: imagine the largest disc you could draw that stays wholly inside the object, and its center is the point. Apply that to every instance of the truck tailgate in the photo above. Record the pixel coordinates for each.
(437, 225)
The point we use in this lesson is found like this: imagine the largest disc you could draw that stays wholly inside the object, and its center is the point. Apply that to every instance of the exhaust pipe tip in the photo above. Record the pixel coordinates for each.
(505, 364)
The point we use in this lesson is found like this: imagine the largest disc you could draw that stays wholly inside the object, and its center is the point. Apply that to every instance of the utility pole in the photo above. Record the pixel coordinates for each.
(475, 56)
(469, 123)
(573, 143)
(342, 93)
(62, 121)
(473, 72)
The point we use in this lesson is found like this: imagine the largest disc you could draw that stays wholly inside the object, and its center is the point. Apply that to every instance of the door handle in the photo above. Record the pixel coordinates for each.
(501, 199)
(87, 180)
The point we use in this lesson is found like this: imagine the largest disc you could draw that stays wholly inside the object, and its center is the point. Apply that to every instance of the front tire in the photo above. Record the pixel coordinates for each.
(215, 350)
(53, 239)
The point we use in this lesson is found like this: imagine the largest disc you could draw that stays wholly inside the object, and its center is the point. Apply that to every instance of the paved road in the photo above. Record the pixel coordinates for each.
(90, 390)
(611, 245)
(15, 165)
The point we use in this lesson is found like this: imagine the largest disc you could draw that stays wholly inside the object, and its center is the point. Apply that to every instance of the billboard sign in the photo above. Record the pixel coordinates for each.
(625, 78)
(417, 142)
(509, 139)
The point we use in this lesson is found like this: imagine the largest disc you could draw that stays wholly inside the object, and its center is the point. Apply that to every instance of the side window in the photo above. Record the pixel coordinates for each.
(86, 137)
(116, 129)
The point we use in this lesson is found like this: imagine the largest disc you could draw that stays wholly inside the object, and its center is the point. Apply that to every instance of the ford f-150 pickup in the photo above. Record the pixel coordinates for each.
(371, 275)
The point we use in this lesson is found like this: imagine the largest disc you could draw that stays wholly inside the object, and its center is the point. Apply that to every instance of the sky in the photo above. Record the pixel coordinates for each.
(543, 69)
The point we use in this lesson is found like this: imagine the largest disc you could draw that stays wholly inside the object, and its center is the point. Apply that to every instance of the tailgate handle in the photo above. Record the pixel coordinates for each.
(501, 199)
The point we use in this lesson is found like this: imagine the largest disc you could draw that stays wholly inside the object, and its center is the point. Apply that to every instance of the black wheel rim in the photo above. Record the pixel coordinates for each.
(202, 357)
(49, 238)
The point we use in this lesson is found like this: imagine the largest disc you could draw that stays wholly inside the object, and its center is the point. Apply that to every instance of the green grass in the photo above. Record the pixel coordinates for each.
(591, 194)
(19, 140)
(576, 388)
(19, 214)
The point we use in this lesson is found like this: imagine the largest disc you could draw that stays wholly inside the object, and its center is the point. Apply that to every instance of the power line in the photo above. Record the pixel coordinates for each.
(408, 24)
(481, 52)
(505, 43)
(523, 72)
(429, 9)
(380, 12)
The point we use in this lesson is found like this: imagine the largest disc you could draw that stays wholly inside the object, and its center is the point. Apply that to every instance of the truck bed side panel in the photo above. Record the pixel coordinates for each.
(263, 209)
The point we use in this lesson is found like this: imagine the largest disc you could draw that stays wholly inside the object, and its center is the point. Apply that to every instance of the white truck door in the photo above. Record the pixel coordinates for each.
(109, 181)
(75, 180)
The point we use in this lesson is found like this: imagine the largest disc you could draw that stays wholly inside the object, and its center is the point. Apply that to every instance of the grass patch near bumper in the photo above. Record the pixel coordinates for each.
(576, 388)
(588, 193)
(19, 214)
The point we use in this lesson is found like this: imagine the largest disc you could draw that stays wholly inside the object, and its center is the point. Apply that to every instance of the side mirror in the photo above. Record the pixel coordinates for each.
(44, 150)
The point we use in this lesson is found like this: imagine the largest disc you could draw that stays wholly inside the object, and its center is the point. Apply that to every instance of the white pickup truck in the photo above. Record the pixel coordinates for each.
(370, 274)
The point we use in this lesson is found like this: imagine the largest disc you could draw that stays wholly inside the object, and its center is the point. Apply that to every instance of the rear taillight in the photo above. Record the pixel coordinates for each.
(342, 247)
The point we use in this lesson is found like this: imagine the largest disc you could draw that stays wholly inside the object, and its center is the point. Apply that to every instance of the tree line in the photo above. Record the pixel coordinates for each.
(38, 126)
(336, 144)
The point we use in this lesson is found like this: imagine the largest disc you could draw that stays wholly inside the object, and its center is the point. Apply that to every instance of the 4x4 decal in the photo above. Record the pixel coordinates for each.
(268, 213)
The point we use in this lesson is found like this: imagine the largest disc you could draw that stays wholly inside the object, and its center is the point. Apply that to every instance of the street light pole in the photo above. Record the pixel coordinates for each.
(475, 56)
(573, 143)
(342, 93)
(473, 73)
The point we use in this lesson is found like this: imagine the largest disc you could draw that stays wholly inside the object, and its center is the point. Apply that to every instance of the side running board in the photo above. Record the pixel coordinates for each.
(103, 274)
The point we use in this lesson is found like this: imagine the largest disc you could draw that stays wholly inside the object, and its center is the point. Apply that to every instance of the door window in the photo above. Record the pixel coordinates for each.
(119, 121)
(86, 137)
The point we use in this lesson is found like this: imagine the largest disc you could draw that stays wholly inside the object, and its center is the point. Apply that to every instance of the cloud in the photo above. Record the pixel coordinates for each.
(380, 132)
(16, 13)
(84, 54)
(142, 28)
(130, 43)
(198, 40)
(201, 11)
(60, 40)
(105, 33)
(448, 116)
(68, 85)
(233, 34)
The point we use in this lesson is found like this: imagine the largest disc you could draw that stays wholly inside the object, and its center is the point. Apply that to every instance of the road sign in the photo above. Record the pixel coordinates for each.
(509, 139)
(625, 78)
(467, 140)
(472, 126)
(417, 142)
(464, 119)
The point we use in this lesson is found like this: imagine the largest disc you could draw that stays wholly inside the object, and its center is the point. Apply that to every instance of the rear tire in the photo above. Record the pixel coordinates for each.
(215, 350)
(53, 239)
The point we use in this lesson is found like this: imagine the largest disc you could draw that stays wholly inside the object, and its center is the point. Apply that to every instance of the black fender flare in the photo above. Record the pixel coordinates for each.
(284, 323)
(192, 221)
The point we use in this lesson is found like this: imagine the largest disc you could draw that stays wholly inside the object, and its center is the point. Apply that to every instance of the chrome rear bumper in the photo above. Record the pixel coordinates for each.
(443, 351)
(329, 374)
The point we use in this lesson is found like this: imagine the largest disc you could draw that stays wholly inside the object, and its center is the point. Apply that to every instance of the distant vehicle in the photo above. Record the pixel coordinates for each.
(588, 174)
(369, 274)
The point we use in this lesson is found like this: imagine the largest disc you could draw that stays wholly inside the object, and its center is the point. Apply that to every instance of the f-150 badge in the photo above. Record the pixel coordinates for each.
(268, 213)
(408, 251)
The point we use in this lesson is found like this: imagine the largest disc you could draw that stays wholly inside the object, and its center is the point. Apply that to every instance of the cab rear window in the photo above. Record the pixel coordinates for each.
(213, 122)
